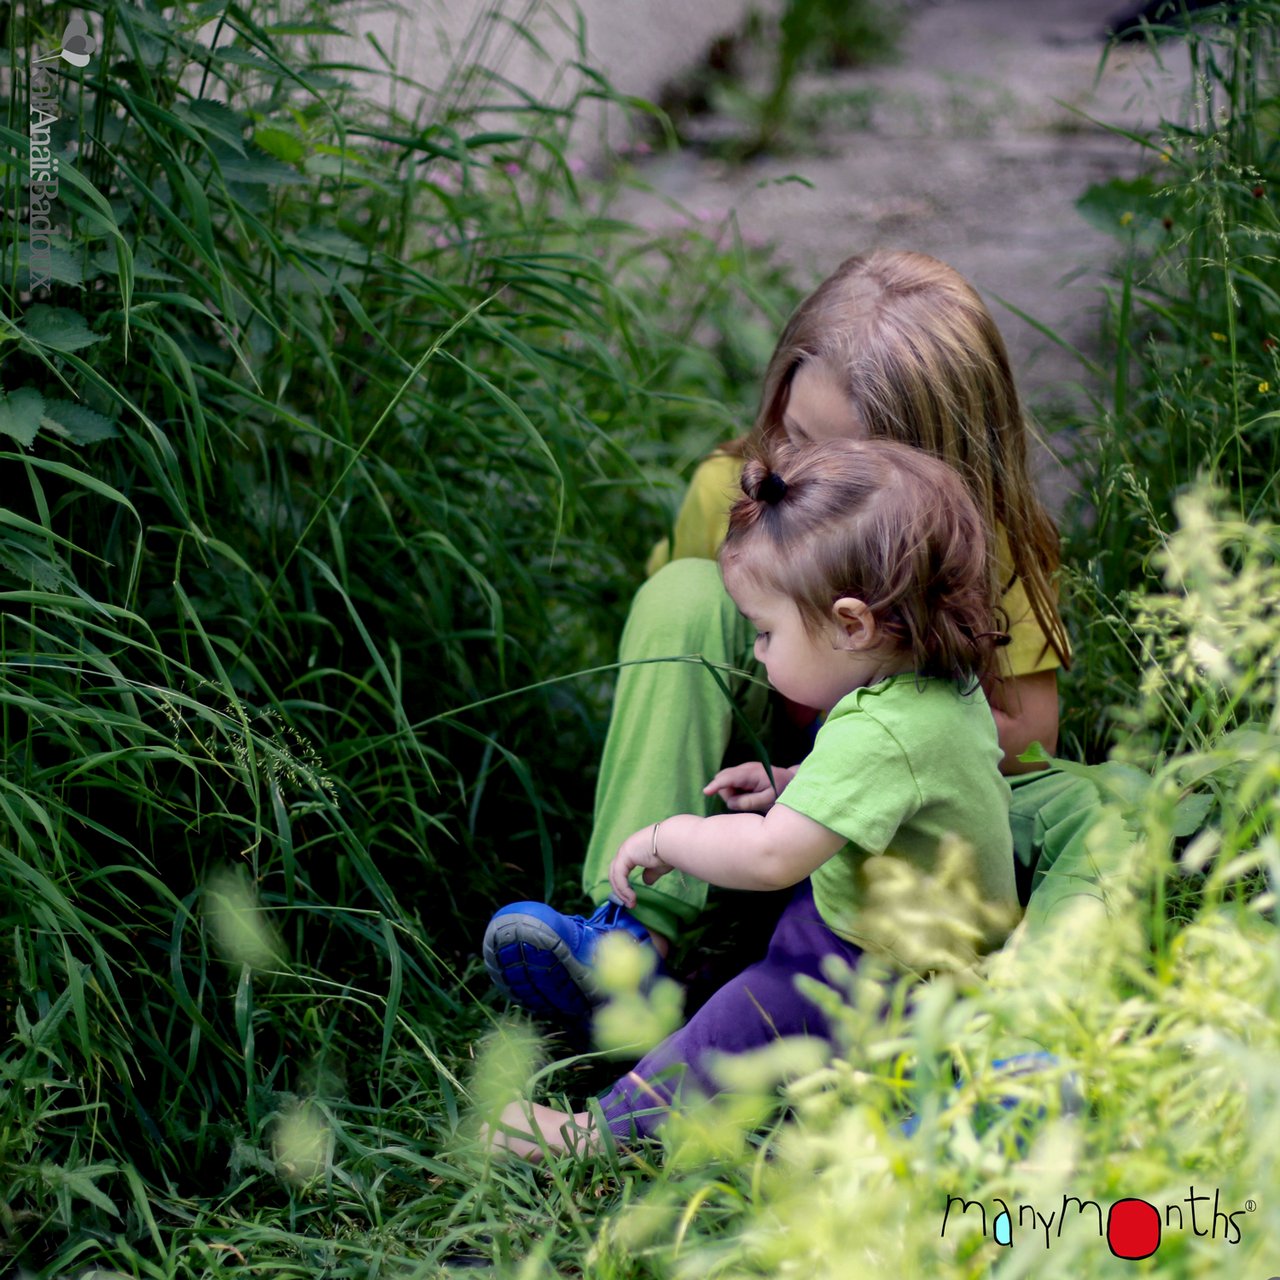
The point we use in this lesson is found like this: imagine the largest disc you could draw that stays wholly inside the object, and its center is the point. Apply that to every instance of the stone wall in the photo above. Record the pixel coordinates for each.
(639, 45)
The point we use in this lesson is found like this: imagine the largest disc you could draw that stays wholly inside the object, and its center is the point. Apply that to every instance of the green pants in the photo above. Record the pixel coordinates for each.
(1051, 815)
(672, 722)
(670, 727)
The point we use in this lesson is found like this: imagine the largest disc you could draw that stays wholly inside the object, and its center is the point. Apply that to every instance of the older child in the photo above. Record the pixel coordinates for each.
(862, 567)
(894, 346)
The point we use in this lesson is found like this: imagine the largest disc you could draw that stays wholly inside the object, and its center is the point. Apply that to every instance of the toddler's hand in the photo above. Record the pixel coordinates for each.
(745, 788)
(636, 851)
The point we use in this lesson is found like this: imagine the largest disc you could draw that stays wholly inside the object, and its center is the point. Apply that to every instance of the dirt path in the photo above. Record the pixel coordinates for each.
(973, 148)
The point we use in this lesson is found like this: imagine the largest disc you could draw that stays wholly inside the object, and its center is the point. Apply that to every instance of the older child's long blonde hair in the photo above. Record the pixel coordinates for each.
(923, 363)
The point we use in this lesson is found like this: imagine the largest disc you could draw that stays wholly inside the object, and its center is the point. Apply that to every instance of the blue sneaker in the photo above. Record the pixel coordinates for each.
(541, 959)
(1018, 1066)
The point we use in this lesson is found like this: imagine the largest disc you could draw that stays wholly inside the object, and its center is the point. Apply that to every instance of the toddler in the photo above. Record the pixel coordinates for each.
(863, 567)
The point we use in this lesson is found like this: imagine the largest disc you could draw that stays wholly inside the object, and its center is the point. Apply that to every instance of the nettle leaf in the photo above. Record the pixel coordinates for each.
(327, 167)
(329, 242)
(122, 210)
(40, 569)
(1190, 814)
(77, 423)
(80, 1183)
(58, 328)
(216, 119)
(105, 262)
(155, 23)
(280, 143)
(254, 166)
(60, 264)
(20, 414)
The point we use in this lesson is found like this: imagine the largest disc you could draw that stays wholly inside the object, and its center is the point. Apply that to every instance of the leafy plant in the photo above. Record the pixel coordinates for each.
(326, 430)
(748, 77)
(337, 440)
(1192, 366)
(824, 33)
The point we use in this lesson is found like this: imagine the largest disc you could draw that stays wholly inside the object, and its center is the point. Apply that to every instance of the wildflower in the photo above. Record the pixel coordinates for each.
(1218, 337)
(1167, 222)
(1259, 191)
(1268, 344)
(1165, 157)
(512, 168)
(1125, 218)
(1263, 388)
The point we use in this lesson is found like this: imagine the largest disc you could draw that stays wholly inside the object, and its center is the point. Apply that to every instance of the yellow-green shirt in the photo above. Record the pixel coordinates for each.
(898, 767)
(703, 521)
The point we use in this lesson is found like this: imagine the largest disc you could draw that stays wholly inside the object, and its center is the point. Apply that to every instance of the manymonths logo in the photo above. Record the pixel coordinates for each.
(1132, 1228)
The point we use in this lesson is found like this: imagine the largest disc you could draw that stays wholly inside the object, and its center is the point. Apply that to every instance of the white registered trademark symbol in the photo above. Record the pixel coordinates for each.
(1250, 1206)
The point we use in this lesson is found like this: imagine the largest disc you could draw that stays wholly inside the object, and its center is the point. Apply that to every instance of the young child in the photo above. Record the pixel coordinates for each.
(893, 346)
(862, 567)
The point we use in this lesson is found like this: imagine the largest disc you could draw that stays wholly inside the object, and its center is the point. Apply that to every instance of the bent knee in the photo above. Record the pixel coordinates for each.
(681, 607)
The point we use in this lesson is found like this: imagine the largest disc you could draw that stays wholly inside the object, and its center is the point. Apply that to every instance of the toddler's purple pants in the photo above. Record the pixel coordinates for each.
(751, 1010)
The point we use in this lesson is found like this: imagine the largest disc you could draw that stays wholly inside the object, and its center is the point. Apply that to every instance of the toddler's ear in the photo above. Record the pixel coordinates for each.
(856, 627)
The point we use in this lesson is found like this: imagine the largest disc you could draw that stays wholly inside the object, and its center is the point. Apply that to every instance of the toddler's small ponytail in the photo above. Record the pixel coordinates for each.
(762, 484)
(773, 488)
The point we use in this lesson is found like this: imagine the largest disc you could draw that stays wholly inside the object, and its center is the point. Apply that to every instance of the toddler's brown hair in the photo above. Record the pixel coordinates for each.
(881, 522)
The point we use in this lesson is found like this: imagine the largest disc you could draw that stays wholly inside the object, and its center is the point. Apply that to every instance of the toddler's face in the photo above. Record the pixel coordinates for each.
(804, 666)
(818, 407)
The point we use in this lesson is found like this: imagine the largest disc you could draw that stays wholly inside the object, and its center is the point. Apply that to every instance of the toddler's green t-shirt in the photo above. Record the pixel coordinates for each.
(908, 771)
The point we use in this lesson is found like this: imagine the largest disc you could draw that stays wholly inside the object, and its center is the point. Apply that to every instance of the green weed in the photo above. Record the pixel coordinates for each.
(329, 425)
(1192, 357)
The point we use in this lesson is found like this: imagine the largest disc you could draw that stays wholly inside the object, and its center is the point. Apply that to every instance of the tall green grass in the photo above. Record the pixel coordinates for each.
(1192, 359)
(327, 462)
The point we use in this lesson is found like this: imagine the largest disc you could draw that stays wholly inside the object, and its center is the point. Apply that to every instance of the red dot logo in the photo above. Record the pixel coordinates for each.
(1133, 1229)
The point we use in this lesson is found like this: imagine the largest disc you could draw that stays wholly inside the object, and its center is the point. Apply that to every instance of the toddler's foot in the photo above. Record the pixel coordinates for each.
(542, 959)
(530, 1130)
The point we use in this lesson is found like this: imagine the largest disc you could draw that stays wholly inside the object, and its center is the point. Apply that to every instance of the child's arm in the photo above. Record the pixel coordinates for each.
(1026, 711)
(734, 850)
(745, 788)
